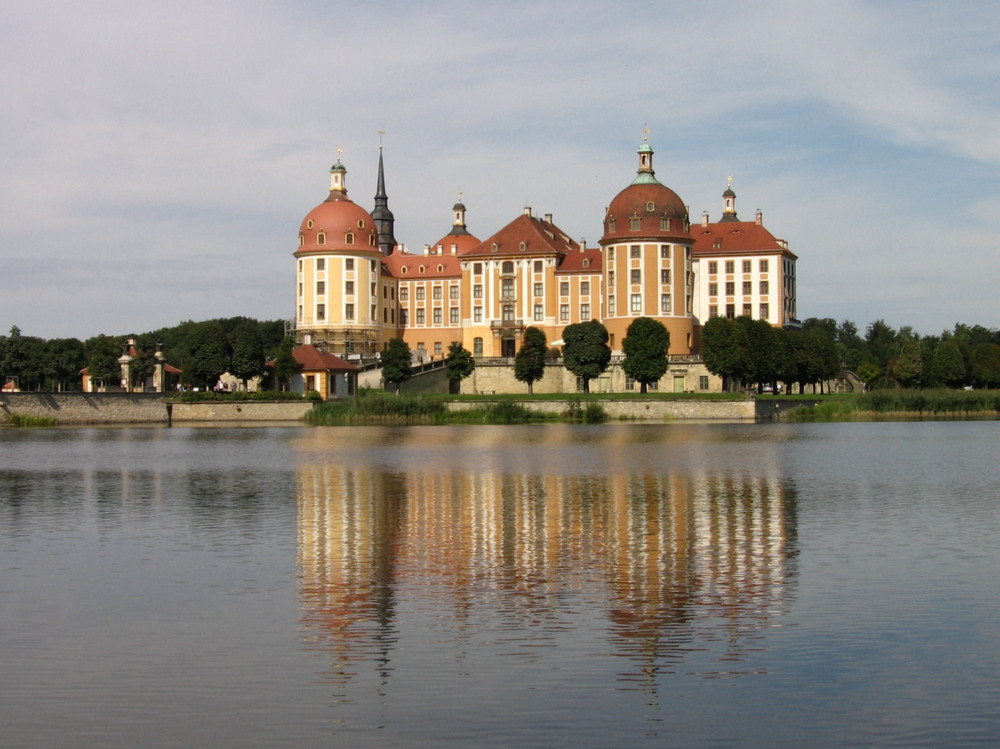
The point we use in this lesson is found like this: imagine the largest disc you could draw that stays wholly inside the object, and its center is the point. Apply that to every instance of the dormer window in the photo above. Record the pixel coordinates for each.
(586, 262)
(611, 224)
(664, 224)
(321, 238)
(349, 238)
(302, 240)
(522, 247)
(361, 223)
(635, 223)
(309, 224)
(493, 247)
(440, 269)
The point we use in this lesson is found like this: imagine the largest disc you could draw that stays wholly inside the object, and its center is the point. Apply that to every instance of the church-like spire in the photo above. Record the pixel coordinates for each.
(645, 174)
(458, 222)
(338, 179)
(384, 220)
(729, 202)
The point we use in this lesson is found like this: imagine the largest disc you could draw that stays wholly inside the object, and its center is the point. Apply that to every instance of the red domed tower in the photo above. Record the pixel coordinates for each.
(338, 274)
(646, 251)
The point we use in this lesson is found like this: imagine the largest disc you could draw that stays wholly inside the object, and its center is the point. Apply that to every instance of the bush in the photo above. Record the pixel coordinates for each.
(24, 420)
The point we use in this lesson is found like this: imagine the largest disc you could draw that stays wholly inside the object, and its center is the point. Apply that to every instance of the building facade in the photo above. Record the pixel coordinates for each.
(356, 288)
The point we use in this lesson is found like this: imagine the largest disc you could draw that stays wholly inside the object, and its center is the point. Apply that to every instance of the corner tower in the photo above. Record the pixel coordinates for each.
(646, 258)
(382, 216)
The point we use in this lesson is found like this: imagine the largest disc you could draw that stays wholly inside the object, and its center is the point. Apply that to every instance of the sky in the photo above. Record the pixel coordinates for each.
(158, 158)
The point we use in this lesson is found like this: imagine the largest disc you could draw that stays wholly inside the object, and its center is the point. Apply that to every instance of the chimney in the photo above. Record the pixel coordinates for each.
(427, 249)
(454, 248)
(548, 218)
(583, 244)
(760, 217)
(704, 219)
(440, 250)
(527, 210)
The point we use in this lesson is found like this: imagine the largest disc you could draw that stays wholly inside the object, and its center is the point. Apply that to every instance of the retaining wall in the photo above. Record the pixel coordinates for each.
(646, 410)
(239, 411)
(88, 408)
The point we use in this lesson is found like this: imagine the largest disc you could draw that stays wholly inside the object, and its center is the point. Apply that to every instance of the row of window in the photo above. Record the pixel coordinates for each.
(348, 264)
(713, 266)
(635, 252)
(765, 310)
(764, 288)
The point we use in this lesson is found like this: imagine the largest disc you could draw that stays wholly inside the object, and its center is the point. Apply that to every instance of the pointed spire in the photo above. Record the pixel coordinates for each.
(384, 220)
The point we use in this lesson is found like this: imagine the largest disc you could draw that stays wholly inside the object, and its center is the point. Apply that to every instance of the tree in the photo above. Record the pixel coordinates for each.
(102, 360)
(64, 358)
(248, 351)
(586, 353)
(284, 363)
(459, 365)
(210, 354)
(986, 367)
(907, 368)
(529, 363)
(396, 368)
(142, 368)
(645, 346)
(868, 372)
(949, 366)
(722, 350)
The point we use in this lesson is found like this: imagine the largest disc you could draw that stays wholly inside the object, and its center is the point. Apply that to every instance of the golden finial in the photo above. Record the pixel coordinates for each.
(380, 134)
(730, 181)
(460, 195)
(339, 152)
(645, 133)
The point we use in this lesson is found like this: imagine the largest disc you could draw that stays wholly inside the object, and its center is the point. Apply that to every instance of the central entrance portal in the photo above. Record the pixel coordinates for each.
(508, 347)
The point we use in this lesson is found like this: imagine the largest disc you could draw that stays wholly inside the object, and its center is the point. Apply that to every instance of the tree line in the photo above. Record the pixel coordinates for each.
(202, 350)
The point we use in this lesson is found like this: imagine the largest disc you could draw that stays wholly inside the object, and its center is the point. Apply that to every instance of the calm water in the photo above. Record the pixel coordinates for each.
(581, 586)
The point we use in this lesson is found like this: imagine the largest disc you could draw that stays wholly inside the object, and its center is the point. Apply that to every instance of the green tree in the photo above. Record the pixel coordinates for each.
(210, 354)
(396, 363)
(529, 363)
(586, 353)
(143, 366)
(102, 360)
(459, 365)
(986, 365)
(64, 358)
(869, 373)
(907, 368)
(248, 351)
(723, 351)
(284, 364)
(646, 344)
(949, 365)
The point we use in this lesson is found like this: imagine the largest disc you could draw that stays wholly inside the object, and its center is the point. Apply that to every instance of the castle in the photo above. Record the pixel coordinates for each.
(356, 287)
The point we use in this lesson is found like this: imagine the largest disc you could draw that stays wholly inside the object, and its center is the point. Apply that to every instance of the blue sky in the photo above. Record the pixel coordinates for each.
(158, 157)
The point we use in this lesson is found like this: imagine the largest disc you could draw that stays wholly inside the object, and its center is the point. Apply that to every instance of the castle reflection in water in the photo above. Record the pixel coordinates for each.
(671, 562)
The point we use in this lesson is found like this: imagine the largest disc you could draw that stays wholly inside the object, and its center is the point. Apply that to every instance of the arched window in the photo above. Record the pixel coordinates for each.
(349, 238)
(321, 238)
(522, 246)
(508, 267)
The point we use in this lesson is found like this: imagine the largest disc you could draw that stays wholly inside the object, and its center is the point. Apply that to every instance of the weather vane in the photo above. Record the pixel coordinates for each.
(730, 180)
(645, 133)
(460, 195)
(380, 134)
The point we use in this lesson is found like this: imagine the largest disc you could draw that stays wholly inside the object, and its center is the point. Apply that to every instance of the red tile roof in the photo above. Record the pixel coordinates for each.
(735, 238)
(581, 261)
(539, 238)
(404, 265)
(311, 358)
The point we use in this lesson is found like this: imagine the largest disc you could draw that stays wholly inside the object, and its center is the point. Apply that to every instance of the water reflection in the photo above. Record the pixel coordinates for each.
(667, 562)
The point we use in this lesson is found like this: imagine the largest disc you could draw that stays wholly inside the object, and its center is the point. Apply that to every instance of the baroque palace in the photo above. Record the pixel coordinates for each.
(356, 287)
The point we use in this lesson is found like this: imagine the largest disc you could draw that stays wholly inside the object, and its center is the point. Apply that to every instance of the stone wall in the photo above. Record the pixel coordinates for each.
(88, 408)
(239, 411)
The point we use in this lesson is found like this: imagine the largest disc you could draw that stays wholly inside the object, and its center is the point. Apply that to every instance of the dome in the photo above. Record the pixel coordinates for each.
(336, 225)
(660, 211)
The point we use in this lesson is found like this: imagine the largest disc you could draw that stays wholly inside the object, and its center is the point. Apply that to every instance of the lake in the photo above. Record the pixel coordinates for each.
(537, 586)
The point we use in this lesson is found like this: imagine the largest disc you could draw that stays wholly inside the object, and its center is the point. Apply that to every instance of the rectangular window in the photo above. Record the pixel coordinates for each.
(703, 382)
(477, 291)
(730, 310)
(564, 288)
(665, 303)
(763, 266)
(477, 314)
(420, 293)
(730, 266)
(611, 254)
(437, 348)
(437, 315)
(477, 268)
(349, 287)
(538, 289)
(453, 316)
(713, 267)
(404, 317)
(636, 275)
(764, 311)
(507, 288)
(748, 287)
(585, 312)
(421, 317)
(664, 224)
(320, 263)
(764, 287)
(538, 312)
(746, 266)
(437, 292)
(637, 302)
(564, 312)
(611, 278)
(320, 287)
(538, 266)
(636, 251)
(611, 306)
(300, 288)
(584, 288)
(404, 293)
(730, 288)
(713, 289)
(453, 291)
(629, 383)
(665, 250)
(665, 275)
(635, 224)
(713, 310)
(477, 346)
(374, 266)
(348, 263)
(747, 310)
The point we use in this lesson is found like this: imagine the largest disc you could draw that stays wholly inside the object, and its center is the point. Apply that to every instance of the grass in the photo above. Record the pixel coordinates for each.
(902, 403)
(24, 420)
